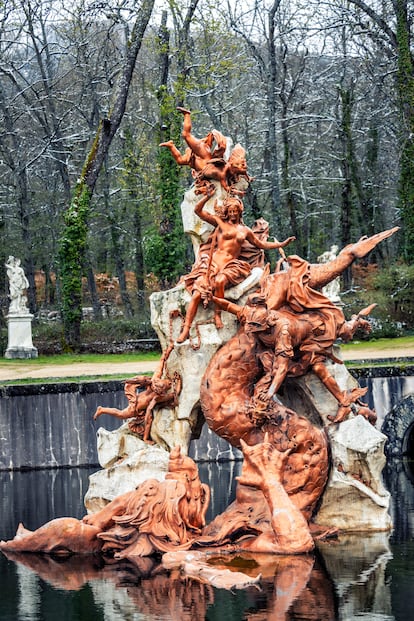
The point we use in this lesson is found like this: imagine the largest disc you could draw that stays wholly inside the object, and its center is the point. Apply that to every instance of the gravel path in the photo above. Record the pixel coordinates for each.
(19, 369)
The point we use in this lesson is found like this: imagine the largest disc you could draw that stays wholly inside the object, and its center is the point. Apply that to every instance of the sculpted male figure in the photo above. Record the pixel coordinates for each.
(205, 156)
(155, 391)
(291, 346)
(200, 151)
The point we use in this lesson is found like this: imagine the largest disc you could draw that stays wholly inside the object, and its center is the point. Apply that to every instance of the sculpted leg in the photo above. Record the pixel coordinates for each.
(187, 124)
(128, 412)
(148, 422)
(344, 398)
(331, 384)
(189, 317)
(219, 288)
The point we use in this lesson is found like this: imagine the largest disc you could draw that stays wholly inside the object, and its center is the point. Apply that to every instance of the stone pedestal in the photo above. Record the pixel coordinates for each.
(20, 344)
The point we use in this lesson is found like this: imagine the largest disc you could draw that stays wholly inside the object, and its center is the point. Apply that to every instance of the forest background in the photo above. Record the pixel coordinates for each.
(320, 94)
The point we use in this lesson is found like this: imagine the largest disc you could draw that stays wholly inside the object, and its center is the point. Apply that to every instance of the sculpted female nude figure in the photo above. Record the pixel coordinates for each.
(223, 267)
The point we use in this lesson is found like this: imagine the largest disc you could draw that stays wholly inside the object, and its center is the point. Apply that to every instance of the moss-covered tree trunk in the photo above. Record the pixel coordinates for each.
(406, 94)
(72, 244)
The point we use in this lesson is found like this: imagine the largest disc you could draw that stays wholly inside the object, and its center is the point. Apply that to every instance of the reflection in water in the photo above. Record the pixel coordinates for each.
(291, 587)
(29, 592)
(344, 580)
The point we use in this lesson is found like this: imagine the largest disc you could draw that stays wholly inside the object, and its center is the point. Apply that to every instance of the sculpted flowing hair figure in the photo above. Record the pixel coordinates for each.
(223, 267)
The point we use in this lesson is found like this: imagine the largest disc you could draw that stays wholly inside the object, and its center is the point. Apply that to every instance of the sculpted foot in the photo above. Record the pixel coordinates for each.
(218, 322)
(183, 110)
(185, 333)
(98, 412)
(169, 143)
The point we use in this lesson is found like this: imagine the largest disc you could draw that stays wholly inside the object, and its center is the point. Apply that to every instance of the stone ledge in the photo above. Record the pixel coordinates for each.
(406, 368)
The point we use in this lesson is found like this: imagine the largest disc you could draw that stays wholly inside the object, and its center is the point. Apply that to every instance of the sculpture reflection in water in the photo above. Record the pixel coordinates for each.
(291, 587)
(287, 328)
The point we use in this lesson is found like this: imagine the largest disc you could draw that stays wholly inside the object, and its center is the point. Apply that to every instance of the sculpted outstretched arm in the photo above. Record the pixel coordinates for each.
(201, 213)
(226, 305)
(266, 245)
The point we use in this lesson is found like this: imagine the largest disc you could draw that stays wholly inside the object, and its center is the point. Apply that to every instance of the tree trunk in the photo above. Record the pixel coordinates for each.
(400, 41)
(139, 259)
(73, 239)
(406, 92)
(276, 216)
(346, 191)
(96, 305)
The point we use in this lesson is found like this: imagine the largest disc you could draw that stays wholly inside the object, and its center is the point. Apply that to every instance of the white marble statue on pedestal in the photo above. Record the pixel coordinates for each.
(19, 318)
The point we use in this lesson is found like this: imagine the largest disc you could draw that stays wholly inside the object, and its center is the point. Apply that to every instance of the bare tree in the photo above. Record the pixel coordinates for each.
(258, 28)
(390, 23)
(73, 238)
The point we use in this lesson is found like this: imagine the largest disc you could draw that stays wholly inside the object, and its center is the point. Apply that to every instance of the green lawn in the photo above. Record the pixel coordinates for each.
(69, 359)
(75, 358)
(398, 343)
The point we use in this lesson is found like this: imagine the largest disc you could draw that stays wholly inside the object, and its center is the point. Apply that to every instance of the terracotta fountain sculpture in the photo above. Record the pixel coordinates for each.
(283, 330)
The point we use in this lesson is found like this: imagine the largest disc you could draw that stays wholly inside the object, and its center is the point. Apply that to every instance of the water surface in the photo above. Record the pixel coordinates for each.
(358, 577)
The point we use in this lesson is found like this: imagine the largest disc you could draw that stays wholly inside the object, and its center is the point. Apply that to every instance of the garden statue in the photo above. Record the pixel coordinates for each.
(19, 318)
(18, 284)
(332, 289)
(265, 376)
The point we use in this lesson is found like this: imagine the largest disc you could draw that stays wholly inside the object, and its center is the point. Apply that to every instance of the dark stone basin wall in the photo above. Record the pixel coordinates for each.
(387, 387)
(51, 425)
